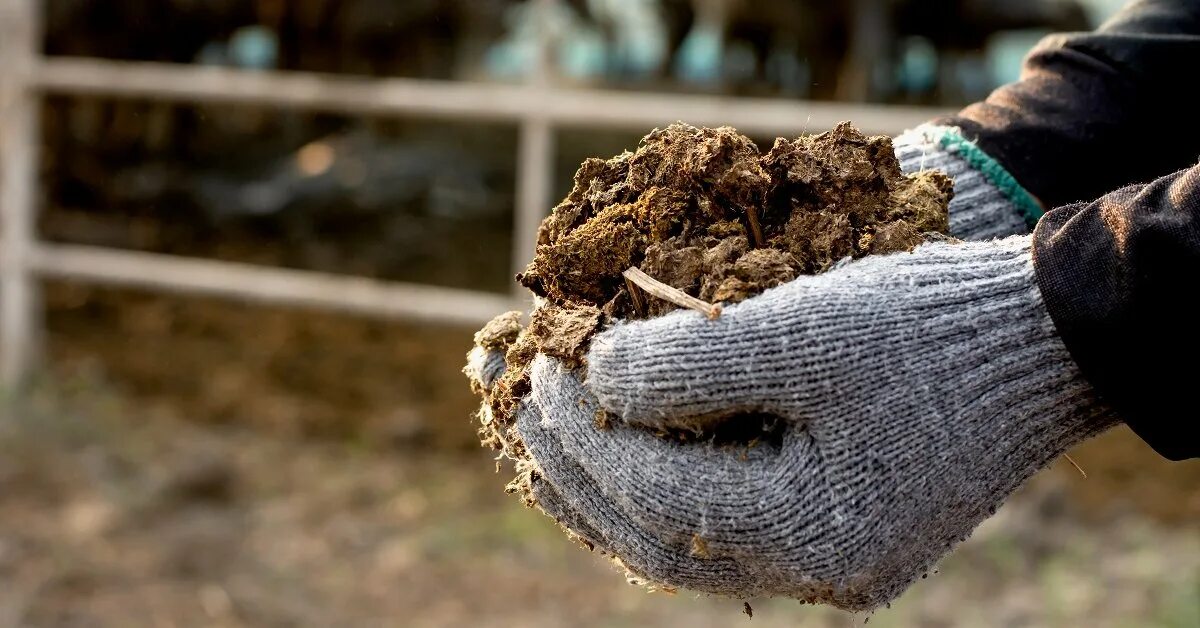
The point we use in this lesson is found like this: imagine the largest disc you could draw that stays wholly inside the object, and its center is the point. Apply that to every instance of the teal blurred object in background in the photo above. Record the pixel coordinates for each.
(1005, 53)
(700, 58)
(254, 47)
(249, 47)
(917, 65)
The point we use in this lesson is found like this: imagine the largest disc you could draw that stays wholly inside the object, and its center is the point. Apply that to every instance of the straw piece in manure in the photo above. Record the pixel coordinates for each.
(674, 295)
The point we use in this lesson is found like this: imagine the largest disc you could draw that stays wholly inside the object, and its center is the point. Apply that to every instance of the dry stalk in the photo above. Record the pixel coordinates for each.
(755, 228)
(1076, 465)
(671, 294)
(635, 295)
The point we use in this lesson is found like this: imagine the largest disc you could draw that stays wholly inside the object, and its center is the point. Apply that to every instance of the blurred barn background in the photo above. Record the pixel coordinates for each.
(245, 244)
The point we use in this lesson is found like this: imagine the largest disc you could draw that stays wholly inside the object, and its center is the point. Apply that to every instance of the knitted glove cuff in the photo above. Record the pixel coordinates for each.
(988, 202)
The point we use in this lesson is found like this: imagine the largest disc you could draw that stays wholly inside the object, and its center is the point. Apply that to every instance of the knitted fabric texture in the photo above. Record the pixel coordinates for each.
(988, 202)
(918, 391)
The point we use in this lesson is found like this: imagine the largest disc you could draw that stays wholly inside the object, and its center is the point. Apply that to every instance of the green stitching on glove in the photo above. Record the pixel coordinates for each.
(951, 140)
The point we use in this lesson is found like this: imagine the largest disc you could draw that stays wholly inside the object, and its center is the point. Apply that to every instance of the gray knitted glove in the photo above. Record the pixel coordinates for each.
(588, 513)
(918, 391)
(988, 202)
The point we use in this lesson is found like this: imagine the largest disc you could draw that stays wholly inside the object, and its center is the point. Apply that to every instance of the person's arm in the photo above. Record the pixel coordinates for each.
(1121, 279)
(1093, 112)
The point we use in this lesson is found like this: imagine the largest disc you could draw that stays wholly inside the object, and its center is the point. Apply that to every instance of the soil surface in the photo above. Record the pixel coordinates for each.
(114, 516)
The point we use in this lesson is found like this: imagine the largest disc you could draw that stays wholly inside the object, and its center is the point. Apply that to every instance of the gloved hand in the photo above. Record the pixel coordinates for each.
(581, 505)
(918, 390)
(988, 202)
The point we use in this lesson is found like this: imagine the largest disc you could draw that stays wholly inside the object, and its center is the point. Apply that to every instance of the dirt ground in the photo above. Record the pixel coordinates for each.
(113, 518)
(130, 496)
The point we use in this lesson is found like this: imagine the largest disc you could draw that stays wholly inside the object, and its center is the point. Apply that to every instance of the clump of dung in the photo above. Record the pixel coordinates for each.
(706, 212)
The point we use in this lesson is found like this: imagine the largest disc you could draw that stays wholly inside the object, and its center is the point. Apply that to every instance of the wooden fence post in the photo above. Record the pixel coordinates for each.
(19, 303)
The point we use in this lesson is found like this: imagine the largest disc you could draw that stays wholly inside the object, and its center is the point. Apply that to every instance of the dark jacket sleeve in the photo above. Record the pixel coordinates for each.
(1096, 112)
(1121, 279)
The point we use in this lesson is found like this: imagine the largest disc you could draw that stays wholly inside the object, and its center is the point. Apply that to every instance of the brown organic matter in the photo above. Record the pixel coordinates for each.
(499, 332)
(703, 210)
